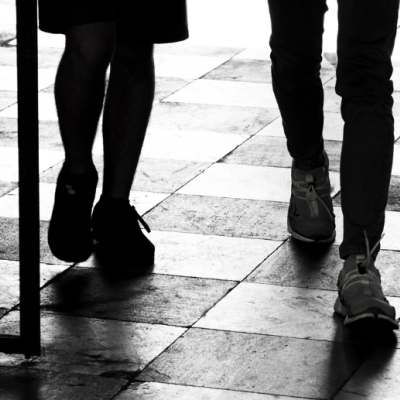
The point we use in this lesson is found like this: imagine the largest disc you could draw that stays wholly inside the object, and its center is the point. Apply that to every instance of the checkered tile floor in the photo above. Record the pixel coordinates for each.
(233, 309)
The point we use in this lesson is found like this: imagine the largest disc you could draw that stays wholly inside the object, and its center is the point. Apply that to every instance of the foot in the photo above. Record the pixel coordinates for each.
(69, 236)
(118, 236)
(310, 215)
(361, 300)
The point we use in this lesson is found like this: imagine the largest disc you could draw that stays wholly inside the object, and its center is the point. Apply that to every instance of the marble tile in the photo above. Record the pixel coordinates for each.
(49, 134)
(256, 363)
(207, 256)
(94, 346)
(243, 71)
(47, 108)
(190, 146)
(210, 118)
(6, 187)
(9, 162)
(8, 78)
(254, 53)
(9, 244)
(256, 71)
(391, 239)
(378, 377)
(191, 49)
(221, 216)
(7, 98)
(331, 100)
(9, 284)
(269, 151)
(8, 56)
(300, 264)
(153, 174)
(246, 182)
(394, 195)
(152, 298)
(185, 66)
(27, 383)
(281, 311)
(242, 94)
(8, 33)
(396, 161)
(9, 204)
(161, 391)
(333, 127)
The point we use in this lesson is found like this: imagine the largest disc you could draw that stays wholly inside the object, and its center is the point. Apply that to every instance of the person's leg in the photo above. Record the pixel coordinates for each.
(79, 92)
(296, 44)
(126, 114)
(367, 31)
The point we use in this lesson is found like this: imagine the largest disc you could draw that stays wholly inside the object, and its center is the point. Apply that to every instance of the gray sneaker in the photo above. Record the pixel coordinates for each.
(361, 298)
(310, 215)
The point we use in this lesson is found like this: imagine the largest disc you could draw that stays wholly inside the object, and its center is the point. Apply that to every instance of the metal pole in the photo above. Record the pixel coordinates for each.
(28, 144)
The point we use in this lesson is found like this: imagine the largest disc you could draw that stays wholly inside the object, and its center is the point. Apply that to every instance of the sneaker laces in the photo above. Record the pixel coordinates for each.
(369, 253)
(140, 219)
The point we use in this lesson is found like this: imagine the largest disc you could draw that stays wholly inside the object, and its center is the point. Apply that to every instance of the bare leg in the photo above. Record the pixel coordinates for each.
(79, 90)
(126, 114)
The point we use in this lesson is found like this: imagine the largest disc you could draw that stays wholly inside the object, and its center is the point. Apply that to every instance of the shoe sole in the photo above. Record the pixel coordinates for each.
(365, 320)
(297, 236)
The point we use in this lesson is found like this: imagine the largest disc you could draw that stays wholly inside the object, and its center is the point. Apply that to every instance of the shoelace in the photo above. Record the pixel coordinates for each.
(353, 277)
(311, 190)
(138, 217)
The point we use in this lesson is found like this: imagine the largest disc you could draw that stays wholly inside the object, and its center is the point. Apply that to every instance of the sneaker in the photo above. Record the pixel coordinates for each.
(310, 215)
(361, 298)
(118, 236)
(69, 236)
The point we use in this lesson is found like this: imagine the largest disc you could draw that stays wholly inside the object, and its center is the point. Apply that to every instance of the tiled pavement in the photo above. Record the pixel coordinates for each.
(233, 309)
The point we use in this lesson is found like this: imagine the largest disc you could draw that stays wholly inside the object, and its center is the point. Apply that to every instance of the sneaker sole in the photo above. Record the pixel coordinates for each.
(297, 236)
(365, 320)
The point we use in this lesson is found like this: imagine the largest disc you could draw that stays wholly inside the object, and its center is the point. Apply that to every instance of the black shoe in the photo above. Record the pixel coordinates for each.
(70, 237)
(118, 236)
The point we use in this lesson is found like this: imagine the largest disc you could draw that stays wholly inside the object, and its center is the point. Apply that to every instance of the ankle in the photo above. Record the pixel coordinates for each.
(317, 162)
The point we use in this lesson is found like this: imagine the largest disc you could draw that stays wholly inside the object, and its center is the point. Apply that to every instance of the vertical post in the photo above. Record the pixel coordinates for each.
(28, 144)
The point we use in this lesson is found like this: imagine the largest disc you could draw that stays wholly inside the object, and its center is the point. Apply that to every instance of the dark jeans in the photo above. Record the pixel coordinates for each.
(367, 31)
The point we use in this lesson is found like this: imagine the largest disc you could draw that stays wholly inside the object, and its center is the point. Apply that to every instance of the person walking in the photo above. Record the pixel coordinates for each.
(366, 37)
(99, 34)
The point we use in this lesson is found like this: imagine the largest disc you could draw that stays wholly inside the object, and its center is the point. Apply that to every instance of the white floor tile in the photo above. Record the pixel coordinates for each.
(191, 146)
(8, 78)
(245, 94)
(396, 160)
(209, 256)
(9, 162)
(47, 109)
(391, 240)
(254, 53)
(246, 182)
(279, 311)
(143, 201)
(185, 67)
(7, 14)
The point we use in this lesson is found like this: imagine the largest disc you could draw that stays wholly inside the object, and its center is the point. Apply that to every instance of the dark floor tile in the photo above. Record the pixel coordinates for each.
(152, 298)
(49, 134)
(300, 264)
(242, 70)
(307, 265)
(6, 187)
(205, 117)
(221, 216)
(256, 363)
(7, 98)
(29, 384)
(93, 346)
(152, 175)
(270, 151)
(9, 245)
(394, 195)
